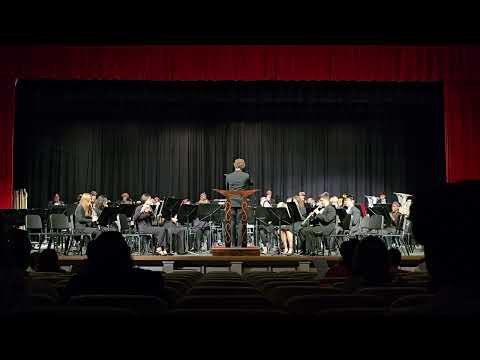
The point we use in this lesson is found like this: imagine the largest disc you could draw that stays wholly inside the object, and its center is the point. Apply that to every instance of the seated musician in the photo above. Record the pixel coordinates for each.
(203, 199)
(144, 218)
(200, 228)
(267, 200)
(286, 234)
(55, 201)
(100, 204)
(355, 214)
(125, 199)
(395, 217)
(266, 230)
(334, 202)
(83, 216)
(382, 198)
(176, 235)
(326, 218)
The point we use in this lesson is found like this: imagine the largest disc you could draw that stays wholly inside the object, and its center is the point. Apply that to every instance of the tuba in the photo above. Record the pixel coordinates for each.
(404, 203)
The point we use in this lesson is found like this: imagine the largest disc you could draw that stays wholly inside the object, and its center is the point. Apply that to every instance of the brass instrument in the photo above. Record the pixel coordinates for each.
(404, 203)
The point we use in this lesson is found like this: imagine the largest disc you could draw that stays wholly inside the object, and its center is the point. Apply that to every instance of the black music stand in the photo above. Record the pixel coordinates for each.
(127, 209)
(171, 207)
(187, 213)
(280, 216)
(294, 212)
(108, 216)
(210, 212)
(59, 209)
(381, 210)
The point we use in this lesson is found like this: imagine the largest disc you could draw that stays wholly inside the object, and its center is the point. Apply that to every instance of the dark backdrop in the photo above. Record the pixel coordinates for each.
(179, 138)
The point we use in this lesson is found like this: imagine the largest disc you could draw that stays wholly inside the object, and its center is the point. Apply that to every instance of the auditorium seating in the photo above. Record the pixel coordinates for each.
(228, 295)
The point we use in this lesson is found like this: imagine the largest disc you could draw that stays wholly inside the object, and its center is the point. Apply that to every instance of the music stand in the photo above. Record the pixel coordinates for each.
(294, 212)
(171, 207)
(210, 211)
(108, 216)
(127, 209)
(383, 211)
(280, 216)
(59, 209)
(187, 213)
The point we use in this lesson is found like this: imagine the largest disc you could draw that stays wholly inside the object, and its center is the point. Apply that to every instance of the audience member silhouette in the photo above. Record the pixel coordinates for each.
(344, 268)
(395, 260)
(451, 244)
(13, 289)
(109, 270)
(370, 265)
(48, 262)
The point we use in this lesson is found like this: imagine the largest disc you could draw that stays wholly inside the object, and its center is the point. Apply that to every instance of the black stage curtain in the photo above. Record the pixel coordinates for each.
(180, 138)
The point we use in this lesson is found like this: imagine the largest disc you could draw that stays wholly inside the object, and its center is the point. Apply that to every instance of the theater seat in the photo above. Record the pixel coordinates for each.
(390, 294)
(223, 290)
(412, 301)
(224, 302)
(311, 304)
(280, 295)
(141, 305)
(221, 315)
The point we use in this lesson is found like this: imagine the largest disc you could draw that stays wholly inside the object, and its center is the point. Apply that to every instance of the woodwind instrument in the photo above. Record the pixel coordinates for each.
(307, 219)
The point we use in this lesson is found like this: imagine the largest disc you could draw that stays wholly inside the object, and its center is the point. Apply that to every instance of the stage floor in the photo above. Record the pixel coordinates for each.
(240, 264)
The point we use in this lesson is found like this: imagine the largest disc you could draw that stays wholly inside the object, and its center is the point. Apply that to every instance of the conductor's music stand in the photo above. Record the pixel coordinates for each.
(243, 194)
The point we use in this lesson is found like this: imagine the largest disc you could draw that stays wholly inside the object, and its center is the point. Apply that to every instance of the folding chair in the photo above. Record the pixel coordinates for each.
(34, 227)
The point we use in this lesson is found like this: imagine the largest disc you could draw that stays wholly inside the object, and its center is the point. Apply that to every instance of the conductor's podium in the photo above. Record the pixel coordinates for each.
(228, 250)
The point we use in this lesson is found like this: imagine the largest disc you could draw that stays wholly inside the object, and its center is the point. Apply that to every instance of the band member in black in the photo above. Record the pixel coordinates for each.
(83, 216)
(355, 215)
(395, 217)
(143, 218)
(266, 231)
(125, 199)
(382, 198)
(238, 180)
(326, 217)
(267, 200)
(176, 235)
(200, 228)
(55, 201)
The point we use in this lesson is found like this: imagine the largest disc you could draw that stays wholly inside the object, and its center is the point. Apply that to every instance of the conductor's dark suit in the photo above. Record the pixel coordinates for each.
(237, 180)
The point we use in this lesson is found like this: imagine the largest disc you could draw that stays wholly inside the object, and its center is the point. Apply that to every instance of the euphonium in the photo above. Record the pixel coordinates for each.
(404, 203)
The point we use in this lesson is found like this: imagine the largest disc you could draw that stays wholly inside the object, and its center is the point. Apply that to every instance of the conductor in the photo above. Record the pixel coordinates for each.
(237, 180)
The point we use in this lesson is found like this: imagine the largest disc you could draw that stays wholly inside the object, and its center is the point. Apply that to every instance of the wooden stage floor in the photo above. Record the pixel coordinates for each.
(232, 263)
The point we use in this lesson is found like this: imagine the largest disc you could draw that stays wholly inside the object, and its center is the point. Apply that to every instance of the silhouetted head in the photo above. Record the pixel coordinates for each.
(21, 247)
(109, 252)
(347, 249)
(448, 232)
(395, 258)
(48, 261)
(371, 261)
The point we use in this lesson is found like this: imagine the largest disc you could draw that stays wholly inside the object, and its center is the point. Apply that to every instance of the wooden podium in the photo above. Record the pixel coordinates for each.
(243, 250)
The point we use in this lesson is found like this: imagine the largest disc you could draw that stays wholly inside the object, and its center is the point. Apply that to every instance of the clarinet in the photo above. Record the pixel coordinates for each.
(307, 219)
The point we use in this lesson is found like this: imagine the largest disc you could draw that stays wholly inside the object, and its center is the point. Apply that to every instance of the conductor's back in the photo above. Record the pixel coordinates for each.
(238, 180)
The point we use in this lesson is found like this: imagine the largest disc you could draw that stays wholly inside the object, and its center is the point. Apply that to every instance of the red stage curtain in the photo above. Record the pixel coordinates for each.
(456, 66)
